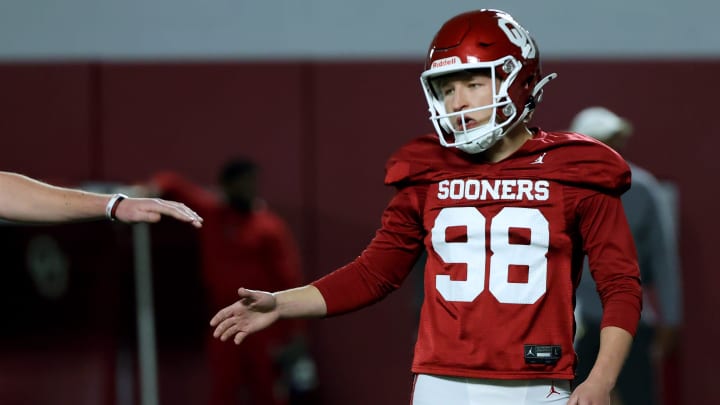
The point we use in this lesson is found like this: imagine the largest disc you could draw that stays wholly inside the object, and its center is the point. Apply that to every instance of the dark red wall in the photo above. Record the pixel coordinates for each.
(322, 131)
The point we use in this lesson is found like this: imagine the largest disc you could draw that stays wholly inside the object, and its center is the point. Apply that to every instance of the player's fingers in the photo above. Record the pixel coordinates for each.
(231, 331)
(231, 324)
(239, 337)
(185, 210)
(222, 328)
(177, 210)
(221, 315)
(152, 210)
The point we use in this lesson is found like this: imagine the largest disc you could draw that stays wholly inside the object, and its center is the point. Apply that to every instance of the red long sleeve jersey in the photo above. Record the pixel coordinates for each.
(505, 245)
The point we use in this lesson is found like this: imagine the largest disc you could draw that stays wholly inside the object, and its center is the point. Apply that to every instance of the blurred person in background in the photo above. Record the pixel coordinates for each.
(24, 199)
(652, 222)
(506, 212)
(243, 242)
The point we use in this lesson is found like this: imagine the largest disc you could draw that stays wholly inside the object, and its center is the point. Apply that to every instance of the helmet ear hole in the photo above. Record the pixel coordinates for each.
(530, 105)
(531, 100)
(529, 81)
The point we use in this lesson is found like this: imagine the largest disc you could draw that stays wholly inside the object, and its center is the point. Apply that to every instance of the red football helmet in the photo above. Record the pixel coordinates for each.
(494, 41)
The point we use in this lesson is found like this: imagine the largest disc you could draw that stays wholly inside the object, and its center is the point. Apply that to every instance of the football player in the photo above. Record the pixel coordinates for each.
(506, 213)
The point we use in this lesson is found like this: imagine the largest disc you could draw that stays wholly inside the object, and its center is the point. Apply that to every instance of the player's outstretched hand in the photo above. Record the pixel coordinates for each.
(152, 209)
(254, 311)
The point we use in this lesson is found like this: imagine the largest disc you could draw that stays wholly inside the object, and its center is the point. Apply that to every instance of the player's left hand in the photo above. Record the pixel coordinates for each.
(590, 393)
(153, 209)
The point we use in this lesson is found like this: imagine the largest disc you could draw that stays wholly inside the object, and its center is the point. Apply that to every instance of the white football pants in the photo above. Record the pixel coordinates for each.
(444, 390)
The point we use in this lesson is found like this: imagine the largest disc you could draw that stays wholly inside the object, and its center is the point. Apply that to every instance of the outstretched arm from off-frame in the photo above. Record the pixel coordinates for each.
(28, 200)
(256, 310)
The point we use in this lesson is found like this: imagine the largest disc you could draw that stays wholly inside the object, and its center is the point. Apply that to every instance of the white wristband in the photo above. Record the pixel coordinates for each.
(112, 205)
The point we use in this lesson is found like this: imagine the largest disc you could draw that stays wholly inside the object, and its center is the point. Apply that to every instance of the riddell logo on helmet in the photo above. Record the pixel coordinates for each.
(453, 60)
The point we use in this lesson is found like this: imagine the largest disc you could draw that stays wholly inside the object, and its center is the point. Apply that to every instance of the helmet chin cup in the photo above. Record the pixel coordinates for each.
(482, 143)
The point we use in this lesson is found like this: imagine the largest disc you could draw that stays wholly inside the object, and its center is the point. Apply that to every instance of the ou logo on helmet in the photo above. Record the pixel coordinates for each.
(518, 36)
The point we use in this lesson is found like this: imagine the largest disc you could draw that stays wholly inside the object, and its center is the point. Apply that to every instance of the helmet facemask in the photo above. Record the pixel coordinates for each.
(483, 136)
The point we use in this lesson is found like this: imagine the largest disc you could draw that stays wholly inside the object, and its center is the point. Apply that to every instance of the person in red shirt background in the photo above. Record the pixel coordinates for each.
(243, 242)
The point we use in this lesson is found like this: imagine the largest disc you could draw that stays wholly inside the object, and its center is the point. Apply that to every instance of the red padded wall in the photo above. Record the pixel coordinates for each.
(45, 120)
